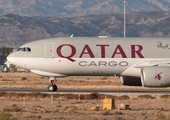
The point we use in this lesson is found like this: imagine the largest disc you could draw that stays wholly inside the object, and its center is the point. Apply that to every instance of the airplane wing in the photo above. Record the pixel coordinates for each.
(136, 68)
(152, 63)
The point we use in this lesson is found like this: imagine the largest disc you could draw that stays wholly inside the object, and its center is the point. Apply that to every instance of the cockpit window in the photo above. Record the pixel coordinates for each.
(25, 49)
(28, 49)
(19, 49)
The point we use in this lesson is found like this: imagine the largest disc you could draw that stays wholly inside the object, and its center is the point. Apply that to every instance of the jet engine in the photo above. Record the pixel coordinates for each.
(155, 76)
(130, 81)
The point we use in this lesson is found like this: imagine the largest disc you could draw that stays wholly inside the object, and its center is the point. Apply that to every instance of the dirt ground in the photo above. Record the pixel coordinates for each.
(30, 80)
(68, 107)
(39, 106)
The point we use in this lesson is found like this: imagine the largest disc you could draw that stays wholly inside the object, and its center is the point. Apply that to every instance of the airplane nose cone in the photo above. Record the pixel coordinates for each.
(9, 57)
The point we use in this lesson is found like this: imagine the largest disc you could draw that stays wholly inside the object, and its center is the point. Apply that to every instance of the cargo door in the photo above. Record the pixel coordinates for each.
(49, 50)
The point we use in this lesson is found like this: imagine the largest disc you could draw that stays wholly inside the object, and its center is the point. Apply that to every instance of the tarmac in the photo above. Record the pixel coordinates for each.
(88, 91)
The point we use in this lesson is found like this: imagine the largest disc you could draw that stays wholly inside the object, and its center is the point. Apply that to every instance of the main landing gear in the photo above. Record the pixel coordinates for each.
(52, 87)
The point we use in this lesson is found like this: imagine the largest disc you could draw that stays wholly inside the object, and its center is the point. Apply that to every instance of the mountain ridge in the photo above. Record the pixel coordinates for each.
(73, 8)
(16, 30)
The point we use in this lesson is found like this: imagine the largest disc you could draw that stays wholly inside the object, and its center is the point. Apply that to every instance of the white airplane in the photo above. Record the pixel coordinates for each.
(146, 60)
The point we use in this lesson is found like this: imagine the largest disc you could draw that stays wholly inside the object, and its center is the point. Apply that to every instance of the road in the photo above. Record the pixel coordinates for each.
(87, 91)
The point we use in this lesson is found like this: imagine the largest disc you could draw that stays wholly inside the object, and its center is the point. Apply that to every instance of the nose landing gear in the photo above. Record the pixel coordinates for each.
(52, 87)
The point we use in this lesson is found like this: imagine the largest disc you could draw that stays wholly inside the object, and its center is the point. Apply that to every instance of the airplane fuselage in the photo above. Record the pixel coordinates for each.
(91, 56)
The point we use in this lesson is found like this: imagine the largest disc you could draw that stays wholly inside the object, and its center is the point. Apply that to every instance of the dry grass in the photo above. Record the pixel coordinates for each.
(36, 95)
(13, 108)
(142, 113)
(33, 116)
(31, 80)
(71, 109)
(70, 96)
(106, 112)
(58, 106)
(142, 109)
(110, 97)
(104, 78)
(165, 96)
(33, 94)
(47, 118)
(145, 97)
(158, 110)
(6, 80)
(38, 109)
(56, 95)
(14, 105)
(124, 97)
(23, 78)
(88, 82)
(37, 106)
(55, 110)
(2, 94)
(91, 96)
(118, 118)
(116, 112)
(65, 108)
(38, 116)
(16, 95)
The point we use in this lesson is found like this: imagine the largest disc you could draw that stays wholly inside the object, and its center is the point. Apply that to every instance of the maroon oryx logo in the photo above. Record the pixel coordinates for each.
(159, 76)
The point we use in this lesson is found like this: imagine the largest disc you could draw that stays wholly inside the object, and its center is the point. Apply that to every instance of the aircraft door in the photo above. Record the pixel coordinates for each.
(49, 50)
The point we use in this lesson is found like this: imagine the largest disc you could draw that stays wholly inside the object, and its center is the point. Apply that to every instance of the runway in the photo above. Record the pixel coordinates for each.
(88, 91)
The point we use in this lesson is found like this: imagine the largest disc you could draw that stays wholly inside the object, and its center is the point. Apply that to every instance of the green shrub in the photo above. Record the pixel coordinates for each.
(5, 116)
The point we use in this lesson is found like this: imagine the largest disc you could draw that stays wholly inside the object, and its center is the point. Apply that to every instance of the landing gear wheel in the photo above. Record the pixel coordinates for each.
(52, 88)
(55, 87)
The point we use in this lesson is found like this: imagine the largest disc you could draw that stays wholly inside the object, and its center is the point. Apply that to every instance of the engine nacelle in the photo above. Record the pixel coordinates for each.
(131, 81)
(155, 76)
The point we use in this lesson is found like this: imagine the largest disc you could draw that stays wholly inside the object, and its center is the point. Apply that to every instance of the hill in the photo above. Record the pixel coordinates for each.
(72, 8)
(16, 30)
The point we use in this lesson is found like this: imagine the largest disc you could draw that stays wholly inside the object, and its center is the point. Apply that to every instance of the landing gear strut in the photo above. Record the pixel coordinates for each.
(52, 87)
